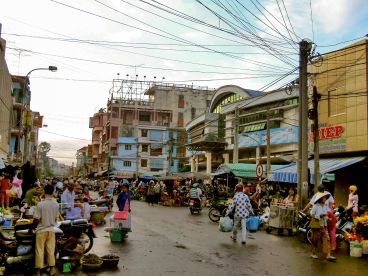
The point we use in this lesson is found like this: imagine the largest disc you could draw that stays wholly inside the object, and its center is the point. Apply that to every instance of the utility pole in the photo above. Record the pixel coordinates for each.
(316, 98)
(170, 151)
(236, 136)
(268, 166)
(304, 51)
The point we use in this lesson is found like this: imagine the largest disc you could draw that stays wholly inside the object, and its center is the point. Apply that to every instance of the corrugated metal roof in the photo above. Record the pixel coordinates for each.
(289, 173)
(244, 170)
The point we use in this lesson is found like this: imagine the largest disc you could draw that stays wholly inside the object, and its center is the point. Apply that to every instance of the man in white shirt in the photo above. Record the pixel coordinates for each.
(67, 198)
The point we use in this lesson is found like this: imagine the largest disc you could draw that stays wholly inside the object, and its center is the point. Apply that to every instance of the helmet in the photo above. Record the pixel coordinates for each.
(195, 185)
(238, 188)
(353, 188)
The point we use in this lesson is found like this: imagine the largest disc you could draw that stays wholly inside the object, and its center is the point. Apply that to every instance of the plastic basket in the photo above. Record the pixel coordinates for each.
(110, 262)
(116, 235)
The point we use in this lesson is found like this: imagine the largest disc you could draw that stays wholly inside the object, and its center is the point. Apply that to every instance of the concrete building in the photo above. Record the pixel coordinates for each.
(5, 103)
(147, 120)
(341, 78)
(244, 113)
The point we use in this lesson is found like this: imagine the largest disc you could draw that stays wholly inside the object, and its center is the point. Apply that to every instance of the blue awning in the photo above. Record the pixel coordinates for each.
(289, 173)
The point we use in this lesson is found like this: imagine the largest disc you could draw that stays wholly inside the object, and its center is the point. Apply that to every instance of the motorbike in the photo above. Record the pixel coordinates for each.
(194, 206)
(17, 251)
(217, 210)
(304, 233)
(345, 223)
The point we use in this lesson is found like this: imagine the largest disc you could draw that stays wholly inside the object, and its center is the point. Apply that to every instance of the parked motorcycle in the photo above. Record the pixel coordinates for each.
(217, 210)
(345, 223)
(304, 233)
(195, 206)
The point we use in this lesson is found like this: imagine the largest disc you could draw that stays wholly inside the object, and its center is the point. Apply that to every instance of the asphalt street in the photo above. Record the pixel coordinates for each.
(170, 241)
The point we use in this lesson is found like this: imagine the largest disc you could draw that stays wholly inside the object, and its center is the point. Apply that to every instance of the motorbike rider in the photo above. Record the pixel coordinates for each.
(195, 193)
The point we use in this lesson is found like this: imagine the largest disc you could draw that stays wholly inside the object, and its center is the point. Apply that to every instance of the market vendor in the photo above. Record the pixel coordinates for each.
(33, 195)
(291, 199)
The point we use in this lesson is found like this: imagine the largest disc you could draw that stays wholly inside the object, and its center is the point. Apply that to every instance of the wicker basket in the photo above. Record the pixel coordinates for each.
(98, 217)
(91, 267)
(110, 262)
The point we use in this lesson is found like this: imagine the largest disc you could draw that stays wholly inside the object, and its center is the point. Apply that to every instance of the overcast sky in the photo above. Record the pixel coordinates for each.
(42, 33)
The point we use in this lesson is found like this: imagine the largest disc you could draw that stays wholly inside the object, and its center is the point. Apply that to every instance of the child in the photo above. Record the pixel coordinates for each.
(86, 209)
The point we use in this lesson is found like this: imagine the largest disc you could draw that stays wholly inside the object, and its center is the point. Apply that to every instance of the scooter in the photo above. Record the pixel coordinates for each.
(345, 223)
(304, 233)
(195, 206)
(217, 210)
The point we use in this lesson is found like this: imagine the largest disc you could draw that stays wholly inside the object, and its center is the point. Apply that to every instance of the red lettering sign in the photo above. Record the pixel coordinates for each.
(330, 132)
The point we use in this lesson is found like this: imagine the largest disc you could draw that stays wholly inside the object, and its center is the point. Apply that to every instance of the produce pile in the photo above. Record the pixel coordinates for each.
(110, 257)
(362, 226)
(91, 259)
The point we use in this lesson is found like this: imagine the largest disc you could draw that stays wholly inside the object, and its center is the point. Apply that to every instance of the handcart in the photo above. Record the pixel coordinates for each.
(281, 217)
(120, 225)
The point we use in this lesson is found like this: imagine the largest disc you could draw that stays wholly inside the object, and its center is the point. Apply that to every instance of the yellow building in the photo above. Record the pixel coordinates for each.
(341, 79)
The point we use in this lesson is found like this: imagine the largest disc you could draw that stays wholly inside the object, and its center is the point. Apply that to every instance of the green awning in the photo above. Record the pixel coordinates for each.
(245, 170)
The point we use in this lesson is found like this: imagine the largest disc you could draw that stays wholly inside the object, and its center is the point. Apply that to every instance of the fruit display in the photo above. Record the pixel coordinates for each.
(361, 224)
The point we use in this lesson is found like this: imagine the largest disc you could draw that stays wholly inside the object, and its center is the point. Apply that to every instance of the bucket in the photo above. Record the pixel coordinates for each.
(252, 224)
(356, 249)
(116, 235)
(365, 247)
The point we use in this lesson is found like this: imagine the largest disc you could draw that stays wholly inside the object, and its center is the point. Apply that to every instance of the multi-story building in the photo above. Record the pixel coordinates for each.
(148, 119)
(341, 78)
(81, 165)
(244, 114)
(5, 103)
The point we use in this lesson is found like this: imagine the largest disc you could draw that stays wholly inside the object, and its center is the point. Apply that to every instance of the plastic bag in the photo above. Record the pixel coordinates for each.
(226, 224)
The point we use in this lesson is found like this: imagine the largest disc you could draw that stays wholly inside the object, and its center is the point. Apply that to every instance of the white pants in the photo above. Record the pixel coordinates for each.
(242, 224)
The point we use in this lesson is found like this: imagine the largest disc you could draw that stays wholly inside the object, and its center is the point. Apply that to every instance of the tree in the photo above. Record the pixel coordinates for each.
(43, 149)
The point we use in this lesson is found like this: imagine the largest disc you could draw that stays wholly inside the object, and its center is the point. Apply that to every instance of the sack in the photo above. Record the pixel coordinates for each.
(226, 224)
(253, 224)
(314, 224)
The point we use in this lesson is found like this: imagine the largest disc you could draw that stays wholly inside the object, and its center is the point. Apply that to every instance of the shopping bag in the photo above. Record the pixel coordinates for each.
(226, 224)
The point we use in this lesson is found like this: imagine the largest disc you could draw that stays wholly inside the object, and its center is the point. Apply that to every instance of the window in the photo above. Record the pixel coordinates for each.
(180, 119)
(144, 116)
(115, 112)
(128, 147)
(144, 163)
(114, 132)
(127, 163)
(144, 148)
(336, 103)
(193, 112)
(144, 133)
(181, 101)
(156, 151)
(181, 152)
(182, 137)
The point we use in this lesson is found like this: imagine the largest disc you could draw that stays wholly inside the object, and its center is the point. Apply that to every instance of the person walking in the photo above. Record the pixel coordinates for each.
(241, 208)
(151, 193)
(123, 198)
(157, 189)
(45, 216)
(319, 226)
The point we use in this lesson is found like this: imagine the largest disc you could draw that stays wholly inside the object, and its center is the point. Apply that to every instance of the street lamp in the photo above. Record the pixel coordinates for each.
(25, 154)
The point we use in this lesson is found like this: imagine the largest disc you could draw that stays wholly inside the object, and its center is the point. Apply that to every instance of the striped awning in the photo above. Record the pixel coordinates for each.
(289, 173)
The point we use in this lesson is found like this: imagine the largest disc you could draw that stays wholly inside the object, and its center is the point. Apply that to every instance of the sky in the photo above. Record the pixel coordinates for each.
(92, 41)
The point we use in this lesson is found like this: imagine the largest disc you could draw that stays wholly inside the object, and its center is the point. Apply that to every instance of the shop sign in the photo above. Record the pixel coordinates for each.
(330, 132)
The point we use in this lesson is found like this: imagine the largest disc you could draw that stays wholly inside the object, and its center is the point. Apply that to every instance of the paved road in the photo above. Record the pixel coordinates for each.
(170, 241)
